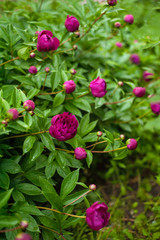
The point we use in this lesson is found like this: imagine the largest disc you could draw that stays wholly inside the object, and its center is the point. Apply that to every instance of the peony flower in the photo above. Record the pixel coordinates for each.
(155, 107)
(80, 153)
(71, 23)
(97, 216)
(131, 143)
(119, 44)
(12, 114)
(112, 2)
(139, 91)
(69, 86)
(32, 70)
(117, 24)
(23, 236)
(134, 58)
(29, 105)
(147, 76)
(46, 42)
(129, 19)
(98, 87)
(63, 126)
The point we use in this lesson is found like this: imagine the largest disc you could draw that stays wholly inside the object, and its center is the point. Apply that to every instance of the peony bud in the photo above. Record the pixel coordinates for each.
(122, 136)
(77, 34)
(29, 105)
(24, 224)
(139, 91)
(155, 107)
(69, 86)
(80, 153)
(147, 76)
(72, 24)
(75, 47)
(5, 123)
(119, 44)
(92, 187)
(46, 42)
(120, 83)
(23, 236)
(32, 55)
(98, 87)
(47, 69)
(37, 32)
(131, 144)
(117, 24)
(73, 71)
(13, 114)
(31, 113)
(112, 2)
(32, 70)
(129, 19)
(134, 58)
(99, 133)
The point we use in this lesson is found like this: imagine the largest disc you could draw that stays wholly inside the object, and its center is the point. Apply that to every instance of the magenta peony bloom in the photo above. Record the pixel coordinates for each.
(129, 19)
(69, 86)
(63, 126)
(139, 91)
(155, 107)
(12, 114)
(32, 70)
(71, 23)
(131, 143)
(117, 24)
(147, 76)
(23, 236)
(29, 105)
(97, 216)
(112, 2)
(73, 71)
(98, 87)
(46, 42)
(134, 58)
(80, 153)
(119, 44)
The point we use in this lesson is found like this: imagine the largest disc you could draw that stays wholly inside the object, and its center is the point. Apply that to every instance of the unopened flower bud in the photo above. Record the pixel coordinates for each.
(72, 24)
(92, 187)
(24, 224)
(120, 83)
(131, 144)
(47, 69)
(37, 32)
(139, 91)
(23, 236)
(134, 58)
(122, 136)
(77, 34)
(80, 153)
(73, 71)
(129, 19)
(31, 113)
(32, 55)
(4, 122)
(155, 107)
(147, 76)
(13, 114)
(112, 2)
(117, 24)
(99, 133)
(69, 86)
(75, 47)
(119, 44)
(32, 70)
(29, 105)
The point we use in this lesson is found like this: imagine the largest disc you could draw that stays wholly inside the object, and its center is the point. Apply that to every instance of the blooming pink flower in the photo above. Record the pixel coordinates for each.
(69, 86)
(129, 19)
(117, 24)
(12, 114)
(63, 126)
(112, 2)
(32, 70)
(23, 236)
(98, 87)
(147, 76)
(131, 144)
(119, 44)
(29, 105)
(139, 91)
(46, 42)
(97, 216)
(134, 58)
(80, 153)
(71, 23)
(155, 107)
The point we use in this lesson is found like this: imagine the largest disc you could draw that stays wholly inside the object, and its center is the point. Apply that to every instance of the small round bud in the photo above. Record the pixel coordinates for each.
(131, 144)
(4, 122)
(151, 95)
(32, 55)
(129, 19)
(23, 236)
(75, 47)
(32, 70)
(119, 44)
(29, 105)
(24, 224)
(31, 113)
(99, 133)
(120, 83)
(12, 114)
(80, 153)
(37, 32)
(117, 24)
(69, 86)
(134, 58)
(73, 71)
(147, 76)
(77, 34)
(122, 136)
(139, 91)
(47, 69)
(92, 187)
(155, 107)
(112, 2)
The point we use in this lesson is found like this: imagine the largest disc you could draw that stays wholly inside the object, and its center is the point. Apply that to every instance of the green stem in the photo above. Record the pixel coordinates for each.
(108, 103)
(70, 98)
(50, 93)
(44, 81)
(109, 150)
(116, 139)
(95, 143)
(52, 231)
(78, 198)
(10, 230)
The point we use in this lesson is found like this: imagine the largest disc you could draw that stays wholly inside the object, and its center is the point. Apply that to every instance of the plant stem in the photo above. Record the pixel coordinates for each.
(101, 142)
(22, 111)
(10, 230)
(50, 93)
(109, 150)
(44, 81)
(65, 150)
(114, 91)
(40, 5)
(54, 210)
(52, 231)
(95, 143)
(78, 198)
(107, 103)
(70, 98)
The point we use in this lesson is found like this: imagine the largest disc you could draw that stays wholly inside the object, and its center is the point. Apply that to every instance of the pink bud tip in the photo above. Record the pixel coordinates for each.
(131, 143)
(73, 71)
(24, 224)
(32, 70)
(75, 47)
(80, 153)
(47, 69)
(122, 136)
(32, 55)
(92, 187)
(117, 24)
(13, 114)
(99, 133)
(120, 83)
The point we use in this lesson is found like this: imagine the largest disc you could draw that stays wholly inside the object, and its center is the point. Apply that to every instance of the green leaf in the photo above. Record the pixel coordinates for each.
(10, 166)
(59, 99)
(55, 79)
(33, 92)
(47, 140)
(36, 151)
(4, 180)
(109, 136)
(82, 104)
(4, 197)
(72, 109)
(89, 158)
(69, 183)
(61, 159)
(32, 224)
(23, 53)
(50, 170)
(16, 98)
(8, 221)
(28, 189)
(28, 143)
